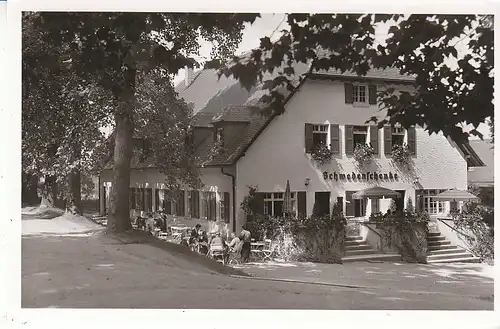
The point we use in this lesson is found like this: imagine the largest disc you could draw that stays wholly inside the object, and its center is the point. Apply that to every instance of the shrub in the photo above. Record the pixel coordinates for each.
(401, 155)
(363, 154)
(471, 219)
(322, 154)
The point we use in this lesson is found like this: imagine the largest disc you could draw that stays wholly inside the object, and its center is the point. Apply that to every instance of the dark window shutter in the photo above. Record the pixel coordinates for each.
(374, 138)
(149, 198)
(309, 138)
(335, 138)
(387, 140)
(349, 206)
(420, 200)
(348, 93)
(179, 204)
(372, 94)
(143, 199)
(349, 140)
(258, 203)
(167, 206)
(375, 205)
(226, 207)
(302, 204)
(412, 140)
(157, 199)
(196, 204)
(132, 198)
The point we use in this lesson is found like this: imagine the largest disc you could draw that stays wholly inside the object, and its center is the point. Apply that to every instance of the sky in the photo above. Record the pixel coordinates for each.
(271, 24)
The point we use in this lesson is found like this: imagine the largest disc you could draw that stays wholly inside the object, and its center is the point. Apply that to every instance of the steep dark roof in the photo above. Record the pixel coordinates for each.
(234, 113)
(484, 174)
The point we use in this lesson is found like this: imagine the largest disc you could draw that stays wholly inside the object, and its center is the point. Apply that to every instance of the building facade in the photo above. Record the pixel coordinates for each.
(326, 108)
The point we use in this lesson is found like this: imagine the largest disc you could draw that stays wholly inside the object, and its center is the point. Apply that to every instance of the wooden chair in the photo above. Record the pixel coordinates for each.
(267, 252)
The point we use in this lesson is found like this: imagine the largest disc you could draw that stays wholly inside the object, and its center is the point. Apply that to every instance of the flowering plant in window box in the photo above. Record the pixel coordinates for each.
(363, 154)
(401, 154)
(322, 154)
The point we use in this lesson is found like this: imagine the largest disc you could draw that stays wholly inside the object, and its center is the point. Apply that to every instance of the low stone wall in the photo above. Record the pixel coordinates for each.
(409, 239)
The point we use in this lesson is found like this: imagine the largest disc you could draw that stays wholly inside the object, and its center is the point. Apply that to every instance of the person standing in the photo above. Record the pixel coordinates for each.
(245, 238)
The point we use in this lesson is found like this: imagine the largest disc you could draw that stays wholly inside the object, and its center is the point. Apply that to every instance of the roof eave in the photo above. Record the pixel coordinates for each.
(326, 76)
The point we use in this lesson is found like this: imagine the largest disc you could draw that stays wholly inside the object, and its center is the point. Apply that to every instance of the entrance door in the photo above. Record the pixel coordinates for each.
(322, 203)
(400, 202)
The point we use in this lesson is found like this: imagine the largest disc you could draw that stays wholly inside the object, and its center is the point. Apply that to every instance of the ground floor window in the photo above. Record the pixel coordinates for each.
(141, 199)
(208, 206)
(172, 203)
(224, 206)
(273, 203)
(428, 203)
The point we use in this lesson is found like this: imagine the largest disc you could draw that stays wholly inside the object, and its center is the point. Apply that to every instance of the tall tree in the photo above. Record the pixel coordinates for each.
(419, 45)
(61, 118)
(114, 48)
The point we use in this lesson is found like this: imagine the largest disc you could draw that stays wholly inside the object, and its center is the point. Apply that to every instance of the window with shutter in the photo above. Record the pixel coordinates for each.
(335, 138)
(302, 204)
(374, 138)
(349, 139)
(387, 140)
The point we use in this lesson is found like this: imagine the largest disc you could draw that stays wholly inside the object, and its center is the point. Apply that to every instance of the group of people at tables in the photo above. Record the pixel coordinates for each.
(200, 241)
(237, 246)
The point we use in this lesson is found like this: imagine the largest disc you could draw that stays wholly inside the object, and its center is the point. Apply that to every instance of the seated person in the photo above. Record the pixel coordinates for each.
(195, 235)
(217, 243)
(203, 239)
(234, 247)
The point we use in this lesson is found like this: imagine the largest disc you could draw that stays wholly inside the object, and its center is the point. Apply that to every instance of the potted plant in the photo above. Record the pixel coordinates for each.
(363, 154)
(322, 154)
(401, 154)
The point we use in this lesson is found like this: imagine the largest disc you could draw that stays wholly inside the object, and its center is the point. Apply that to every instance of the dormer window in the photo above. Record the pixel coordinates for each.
(219, 136)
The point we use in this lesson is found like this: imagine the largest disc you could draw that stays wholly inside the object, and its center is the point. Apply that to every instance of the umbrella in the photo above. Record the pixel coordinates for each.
(456, 195)
(376, 192)
(287, 200)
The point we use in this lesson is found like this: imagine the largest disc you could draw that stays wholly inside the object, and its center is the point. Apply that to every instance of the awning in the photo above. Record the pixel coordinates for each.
(376, 192)
(456, 195)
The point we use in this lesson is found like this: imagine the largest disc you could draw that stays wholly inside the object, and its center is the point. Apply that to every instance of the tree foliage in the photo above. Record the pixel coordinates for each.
(61, 116)
(422, 46)
(114, 49)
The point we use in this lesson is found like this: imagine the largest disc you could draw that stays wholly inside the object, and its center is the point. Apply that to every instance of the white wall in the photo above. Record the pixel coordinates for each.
(212, 179)
(279, 152)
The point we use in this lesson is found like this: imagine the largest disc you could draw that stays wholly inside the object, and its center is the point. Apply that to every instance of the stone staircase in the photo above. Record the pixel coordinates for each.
(440, 250)
(356, 249)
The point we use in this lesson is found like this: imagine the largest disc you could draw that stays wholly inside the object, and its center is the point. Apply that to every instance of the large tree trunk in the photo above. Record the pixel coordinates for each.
(49, 192)
(119, 216)
(29, 189)
(75, 196)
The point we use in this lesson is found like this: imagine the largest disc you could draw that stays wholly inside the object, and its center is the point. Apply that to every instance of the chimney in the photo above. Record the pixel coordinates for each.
(188, 75)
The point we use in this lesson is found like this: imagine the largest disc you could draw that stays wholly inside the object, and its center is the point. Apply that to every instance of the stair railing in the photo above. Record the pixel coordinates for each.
(443, 220)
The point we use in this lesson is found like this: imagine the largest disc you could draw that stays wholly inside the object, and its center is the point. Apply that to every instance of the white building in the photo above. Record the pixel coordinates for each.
(267, 151)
